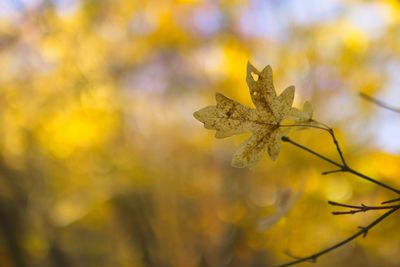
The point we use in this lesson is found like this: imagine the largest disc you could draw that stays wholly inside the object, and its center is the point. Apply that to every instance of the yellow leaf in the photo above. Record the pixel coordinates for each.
(229, 117)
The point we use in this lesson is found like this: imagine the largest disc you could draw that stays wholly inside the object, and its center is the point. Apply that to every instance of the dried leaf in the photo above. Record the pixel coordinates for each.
(229, 117)
(304, 115)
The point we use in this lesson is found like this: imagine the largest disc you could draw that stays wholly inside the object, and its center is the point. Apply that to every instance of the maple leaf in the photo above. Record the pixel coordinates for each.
(229, 117)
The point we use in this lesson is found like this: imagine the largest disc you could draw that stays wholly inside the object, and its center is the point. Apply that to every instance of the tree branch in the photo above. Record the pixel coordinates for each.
(390, 201)
(379, 102)
(343, 167)
(363, 231)
(362, 208)
(335, 141)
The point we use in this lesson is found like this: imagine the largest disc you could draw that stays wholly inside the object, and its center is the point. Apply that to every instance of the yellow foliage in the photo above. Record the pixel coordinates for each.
(98, 148)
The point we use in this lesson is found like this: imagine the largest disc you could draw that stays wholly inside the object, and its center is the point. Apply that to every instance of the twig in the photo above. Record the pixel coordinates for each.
(362, 208)
(335, 141)
(379, 102)
(333, 203)
(342, 167)
(330, 172)
(390, 201)
(363, 231)
(324, 127)
(372, 180)
(290, 141)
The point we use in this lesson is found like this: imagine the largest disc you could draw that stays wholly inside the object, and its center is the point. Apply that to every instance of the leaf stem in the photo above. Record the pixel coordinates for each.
(304, 125)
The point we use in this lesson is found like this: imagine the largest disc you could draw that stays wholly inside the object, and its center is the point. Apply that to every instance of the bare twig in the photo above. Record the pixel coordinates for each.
(362, 232)
(361, 208)
(332, 171)
(390, 201)
(335, 141)
(342, 167)
(379, 103)
(324, 127)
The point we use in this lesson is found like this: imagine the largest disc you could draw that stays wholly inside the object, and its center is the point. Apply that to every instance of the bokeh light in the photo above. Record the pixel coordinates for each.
(103, 164)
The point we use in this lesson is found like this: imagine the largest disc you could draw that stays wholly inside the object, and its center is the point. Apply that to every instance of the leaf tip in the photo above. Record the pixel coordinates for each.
(238, 163)
(273, 156)
(197, 115)
(267, 71)
(251, 68)
(291, 88)
(221, 134)
(219, 97)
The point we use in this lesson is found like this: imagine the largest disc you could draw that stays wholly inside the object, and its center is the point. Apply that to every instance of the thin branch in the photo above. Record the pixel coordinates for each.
(379, 102)
(290, 141)
(362, 208)
(365, 177)
(333, 203)
(333, 171)
(324, 127)
(343, 167)
(335, 141)
(390, 201)
(363, 231)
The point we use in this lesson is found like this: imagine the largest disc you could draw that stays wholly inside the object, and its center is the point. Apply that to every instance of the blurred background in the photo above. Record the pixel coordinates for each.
(103, 164)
